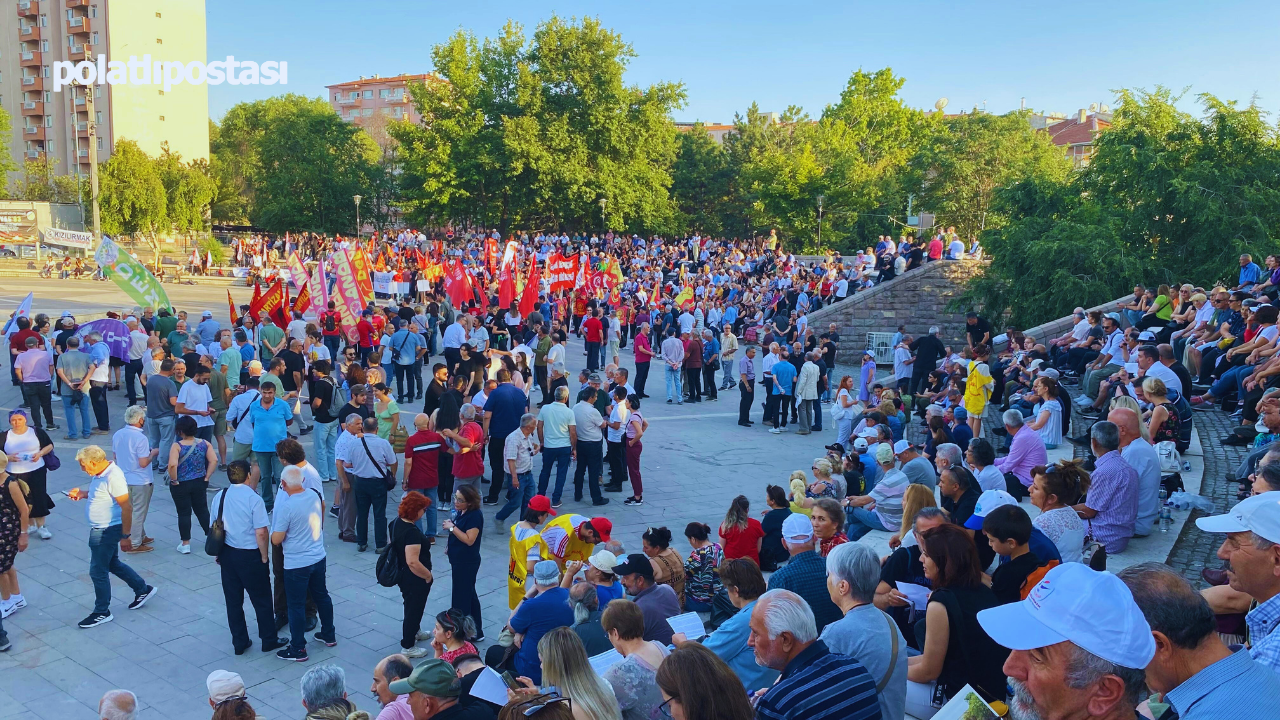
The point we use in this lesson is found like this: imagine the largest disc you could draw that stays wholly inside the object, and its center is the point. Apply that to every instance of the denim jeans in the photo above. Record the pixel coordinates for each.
(560, 457)
(863, 521)
(85, 427)
(104, 561)
(326, 444)
(427, 525)
(269, 467)
(675, 388)
(371, 493)
(297, 582)
(729, 379)
(160, 435)
(517, 498)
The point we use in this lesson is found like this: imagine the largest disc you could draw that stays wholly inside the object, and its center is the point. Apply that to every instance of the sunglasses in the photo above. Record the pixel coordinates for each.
(543, 701)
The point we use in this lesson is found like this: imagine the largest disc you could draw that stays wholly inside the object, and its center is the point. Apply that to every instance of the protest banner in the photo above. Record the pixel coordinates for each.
(347, 297)
(130, 275)
(562, 272)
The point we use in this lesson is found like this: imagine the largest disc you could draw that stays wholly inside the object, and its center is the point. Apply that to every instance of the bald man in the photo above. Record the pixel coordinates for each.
(1145, 461)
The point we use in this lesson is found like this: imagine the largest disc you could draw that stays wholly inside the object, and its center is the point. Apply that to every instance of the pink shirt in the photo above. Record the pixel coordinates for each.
(398, 709)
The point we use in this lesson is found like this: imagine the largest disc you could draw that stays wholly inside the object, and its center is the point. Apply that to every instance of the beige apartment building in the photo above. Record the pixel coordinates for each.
(55, 125)
(373, 100)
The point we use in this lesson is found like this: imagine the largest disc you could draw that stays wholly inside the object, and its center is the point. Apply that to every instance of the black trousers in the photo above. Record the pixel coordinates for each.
(280, 601)
(617, 458)
(191, 496)
(642, 377)
(371, 493)
(776, 407)
(709, 380)
(496, 448)
(414, 590)
(590, 459)
(98, 398)
(748, 391)
(38, 395)
(693, 384)
(540, 377)
(131, 373)
(465, 598)
(403, 372)
(452, 356)
(444, 490)
(593, 355)
(769, 411)
(243, 571)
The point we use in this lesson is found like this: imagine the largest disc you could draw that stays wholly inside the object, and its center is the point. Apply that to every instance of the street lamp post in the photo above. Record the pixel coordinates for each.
(604, 220)
(820, 199)
(357, 198)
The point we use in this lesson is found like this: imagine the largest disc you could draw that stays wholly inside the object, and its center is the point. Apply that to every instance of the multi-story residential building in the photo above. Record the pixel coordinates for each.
(375, 99)
(1076, 135)
(55, 125)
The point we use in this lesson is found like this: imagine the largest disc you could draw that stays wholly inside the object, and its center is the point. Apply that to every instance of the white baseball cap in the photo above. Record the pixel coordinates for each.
(860, 443)
(604, 561)
(900, 447)
(1146, 335)
(1092, 610)
(797, 528)
(1259, 514)
(989, 500)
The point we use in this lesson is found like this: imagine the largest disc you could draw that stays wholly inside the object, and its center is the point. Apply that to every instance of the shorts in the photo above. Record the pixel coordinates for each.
(613, 348)
(219, 423)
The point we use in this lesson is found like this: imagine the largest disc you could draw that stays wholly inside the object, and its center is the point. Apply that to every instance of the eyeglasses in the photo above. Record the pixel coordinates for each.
(665, 708)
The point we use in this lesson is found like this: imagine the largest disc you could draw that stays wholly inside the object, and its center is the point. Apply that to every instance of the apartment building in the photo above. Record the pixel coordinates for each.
(374, 99)
(56, 125)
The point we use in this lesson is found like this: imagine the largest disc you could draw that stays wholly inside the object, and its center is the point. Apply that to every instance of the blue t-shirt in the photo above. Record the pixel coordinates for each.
(269, 424)
(784, 377)
(710, 348)
(407, 354)
(246, 352)
(507, 403)
(535, 618)
(606, 594)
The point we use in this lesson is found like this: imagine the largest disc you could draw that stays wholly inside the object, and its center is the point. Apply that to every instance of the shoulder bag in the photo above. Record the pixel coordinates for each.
(216, 539)
(388, 479)
(1094, 554)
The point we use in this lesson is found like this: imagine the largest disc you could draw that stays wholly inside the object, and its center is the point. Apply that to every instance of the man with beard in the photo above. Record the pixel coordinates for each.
(1080, 645)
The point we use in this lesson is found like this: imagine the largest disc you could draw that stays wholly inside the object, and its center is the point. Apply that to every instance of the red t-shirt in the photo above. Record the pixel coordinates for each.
(366, 333)
(593, 329)
(18, 340)
(423, 448)
(379, 322)
(470, 464)
(337, 323)
(743, 543)
(935, 249)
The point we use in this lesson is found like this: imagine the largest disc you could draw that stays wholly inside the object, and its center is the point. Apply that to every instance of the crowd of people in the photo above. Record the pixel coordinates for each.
(801, 620)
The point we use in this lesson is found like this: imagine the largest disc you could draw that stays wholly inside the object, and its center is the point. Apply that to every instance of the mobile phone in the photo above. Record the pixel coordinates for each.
(510, 680)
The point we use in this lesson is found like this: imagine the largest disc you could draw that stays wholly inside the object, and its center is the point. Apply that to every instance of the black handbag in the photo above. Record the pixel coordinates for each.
(387, 569)
(215, 541)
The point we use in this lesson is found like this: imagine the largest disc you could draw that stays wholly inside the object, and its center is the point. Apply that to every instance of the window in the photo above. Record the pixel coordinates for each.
(100, 141)
(46, 96)
(97, 91)
(71, 41)
(355, 94)
(48, 121)
(93, 39)
(44, 71)
(71, 14)
(44, 46)
(49, 145)
(93, 11)
(98, 117)
(399, 112)
(366, 112)
(44, 20)
(383, 93)
(368, 94)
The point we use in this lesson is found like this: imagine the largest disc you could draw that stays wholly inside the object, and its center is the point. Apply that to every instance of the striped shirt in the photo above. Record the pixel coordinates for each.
(818, 684)
(1113, 495)
(1236, 686)
(1264, 632)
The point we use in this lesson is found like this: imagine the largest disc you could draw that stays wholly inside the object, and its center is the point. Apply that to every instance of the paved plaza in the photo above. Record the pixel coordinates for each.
(696, 460)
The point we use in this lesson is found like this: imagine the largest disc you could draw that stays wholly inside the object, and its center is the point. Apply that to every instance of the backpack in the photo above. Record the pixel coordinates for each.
(330, 324)
(1032, 580)
(387, 570)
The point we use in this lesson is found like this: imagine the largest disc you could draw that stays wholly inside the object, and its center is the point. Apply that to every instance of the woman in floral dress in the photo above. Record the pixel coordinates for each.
(701, 570)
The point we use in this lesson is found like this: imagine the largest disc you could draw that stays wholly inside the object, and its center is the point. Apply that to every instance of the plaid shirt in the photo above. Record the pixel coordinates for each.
(1113, 495)
(806, 575)
(1264, 633)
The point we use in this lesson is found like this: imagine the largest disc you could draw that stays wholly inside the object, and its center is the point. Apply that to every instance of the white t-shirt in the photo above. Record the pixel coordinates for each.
(297, 330)
(197, 397)
(311, 478)
(619, 414)
(243, 513)
(22, 445)
(101, 508)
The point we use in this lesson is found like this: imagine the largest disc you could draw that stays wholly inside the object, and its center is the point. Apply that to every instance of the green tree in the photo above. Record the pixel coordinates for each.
(969, 157)
(532, 133)
(131, 193)
(702, 182)
(188, 191)
(38, 184)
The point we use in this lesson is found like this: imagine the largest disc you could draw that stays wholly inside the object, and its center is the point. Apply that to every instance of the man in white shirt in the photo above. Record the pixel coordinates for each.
(238, 417)
(137, 355)
(773, 357)
(903, 364)
(245, 558)
(297, 329)
(110, 517)
(454, 336)
(1145, 462)
(194, 398)
(133, 454)
(1149, 365)
(673, 356)
(558, 436)
(297, 528)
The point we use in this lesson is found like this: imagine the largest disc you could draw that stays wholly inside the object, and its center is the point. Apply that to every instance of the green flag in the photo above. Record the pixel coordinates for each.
(132, 276)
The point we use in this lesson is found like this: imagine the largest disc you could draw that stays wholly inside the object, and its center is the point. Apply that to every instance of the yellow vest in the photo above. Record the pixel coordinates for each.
(575, 548)
(518, 570)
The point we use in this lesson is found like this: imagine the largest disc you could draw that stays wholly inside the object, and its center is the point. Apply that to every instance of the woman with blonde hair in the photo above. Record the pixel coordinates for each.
(1164, 424)
(565, 666)
(1124, 401)
(916, 498)
(798, 482)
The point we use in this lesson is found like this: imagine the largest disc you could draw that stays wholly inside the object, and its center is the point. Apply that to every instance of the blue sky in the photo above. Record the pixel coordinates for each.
(1059, 56)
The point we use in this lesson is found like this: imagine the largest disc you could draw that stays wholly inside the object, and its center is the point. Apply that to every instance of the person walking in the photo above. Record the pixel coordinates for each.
(245, 559)
(27, 447)
(73, 374)
(191, 464)
(33, 367)
(297, 527)
(414, 553)
(270, 417)
(502, 413)
(372, 465)
(465, 527)
(134, 455)
(517, 453)
(110, 517)
(14, 537)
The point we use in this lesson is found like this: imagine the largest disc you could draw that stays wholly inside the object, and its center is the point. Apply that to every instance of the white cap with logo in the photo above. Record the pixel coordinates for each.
(1259, 514)
(1073, 603)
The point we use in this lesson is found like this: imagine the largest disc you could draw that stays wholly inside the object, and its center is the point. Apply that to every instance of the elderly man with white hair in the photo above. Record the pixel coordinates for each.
(1026, 451)
(118, 705)
(816, 683)
(948, 455)
(133, 454)
(865, 633)
(297, 527)
(137, 354)
(322, 686)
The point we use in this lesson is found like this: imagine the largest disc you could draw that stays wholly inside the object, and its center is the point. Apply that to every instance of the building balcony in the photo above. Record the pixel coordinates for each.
(79, 25)
(32, 132)
(28, 8)
(79, 101)
(32, 59)
(77, 53)
(348, 101)
(33, 107)
(32, 83)
(35, 154)
(30, 32)
(78, 3)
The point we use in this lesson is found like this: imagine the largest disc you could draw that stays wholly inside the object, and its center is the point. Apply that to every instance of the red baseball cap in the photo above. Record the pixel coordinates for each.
(603, 526)
(540, 503)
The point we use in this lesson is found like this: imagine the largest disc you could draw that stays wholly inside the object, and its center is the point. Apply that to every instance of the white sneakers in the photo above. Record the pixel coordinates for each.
(184, 549)
(44, 533)
(415, 652)
(425, 635)
(12, 605)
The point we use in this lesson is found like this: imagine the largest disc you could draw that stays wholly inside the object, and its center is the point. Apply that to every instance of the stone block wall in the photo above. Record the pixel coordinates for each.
(917, 299)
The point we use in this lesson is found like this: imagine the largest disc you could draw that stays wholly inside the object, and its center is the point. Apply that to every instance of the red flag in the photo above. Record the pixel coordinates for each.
(529, 300)
(256, 301)
(457, 284)
(232, 305)
(506, 287)
(304, 299)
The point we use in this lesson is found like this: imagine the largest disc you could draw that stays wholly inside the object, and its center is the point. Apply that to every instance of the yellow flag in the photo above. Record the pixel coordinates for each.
(685, 296)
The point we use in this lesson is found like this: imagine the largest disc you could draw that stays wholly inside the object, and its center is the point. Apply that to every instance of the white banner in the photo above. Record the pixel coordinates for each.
(424, 285)
(382, 282)
(68, 238)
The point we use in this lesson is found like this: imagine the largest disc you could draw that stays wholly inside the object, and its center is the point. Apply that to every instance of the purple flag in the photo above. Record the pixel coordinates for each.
(114, 333)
